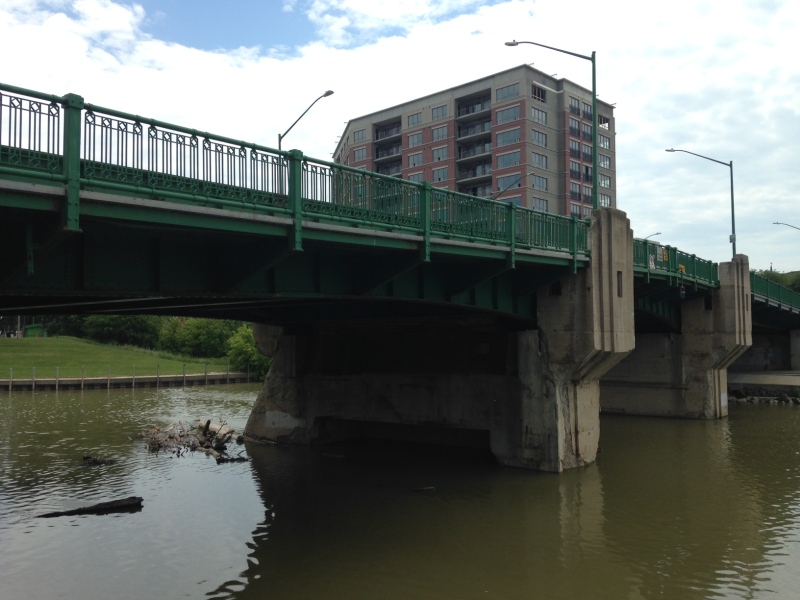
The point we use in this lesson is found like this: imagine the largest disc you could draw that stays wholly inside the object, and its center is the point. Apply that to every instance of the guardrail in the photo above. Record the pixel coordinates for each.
(774, 293)
(653, 258)
(85, 146)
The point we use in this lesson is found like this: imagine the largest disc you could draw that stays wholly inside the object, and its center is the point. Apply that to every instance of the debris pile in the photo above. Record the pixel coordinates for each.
(178, 439)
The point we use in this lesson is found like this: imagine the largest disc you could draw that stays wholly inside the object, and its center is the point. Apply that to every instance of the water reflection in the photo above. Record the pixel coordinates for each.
(672, 508)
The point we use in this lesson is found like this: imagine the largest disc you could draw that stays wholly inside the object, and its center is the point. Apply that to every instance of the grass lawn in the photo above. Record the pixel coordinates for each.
(71, 355)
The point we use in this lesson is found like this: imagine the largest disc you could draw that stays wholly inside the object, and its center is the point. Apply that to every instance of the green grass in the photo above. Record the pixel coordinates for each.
(71, 355)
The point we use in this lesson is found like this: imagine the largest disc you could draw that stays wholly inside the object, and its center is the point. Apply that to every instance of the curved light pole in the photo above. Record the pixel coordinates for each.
(594, 108)
(787, 224)
(281, 136)
(652, 234)
(730, 165)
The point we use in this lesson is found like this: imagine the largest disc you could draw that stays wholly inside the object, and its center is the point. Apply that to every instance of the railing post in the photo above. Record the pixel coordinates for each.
(296, 197)
(512, 237)
(425, 219)
(73, 107)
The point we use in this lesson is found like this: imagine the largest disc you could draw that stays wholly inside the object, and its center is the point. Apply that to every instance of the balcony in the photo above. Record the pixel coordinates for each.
(382, 133)
(474, 129)
(575, 131)
(587, 135)
(575, 110)
(587, 176)
(473, 151)
(574, 153)
(587, 198)
(474, 108)
(574, 174)
(381, 153)
(480, 171)
(587, 114)
(587, 156)
(575, 195)
(391, 169)
(481, 191)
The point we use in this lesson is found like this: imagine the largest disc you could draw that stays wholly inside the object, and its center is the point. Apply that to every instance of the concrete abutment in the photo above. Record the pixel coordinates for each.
(535, 392)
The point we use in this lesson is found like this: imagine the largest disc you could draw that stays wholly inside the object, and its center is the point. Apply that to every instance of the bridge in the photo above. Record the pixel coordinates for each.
(383, 303)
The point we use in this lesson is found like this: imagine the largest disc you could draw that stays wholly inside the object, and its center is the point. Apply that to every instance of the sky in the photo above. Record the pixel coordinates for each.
(718, 78)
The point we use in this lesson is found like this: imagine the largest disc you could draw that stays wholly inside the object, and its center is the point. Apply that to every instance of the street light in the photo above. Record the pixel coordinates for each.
(730, 165)
(776, 223)
(594, 109)
(281, 136)
(652, 234)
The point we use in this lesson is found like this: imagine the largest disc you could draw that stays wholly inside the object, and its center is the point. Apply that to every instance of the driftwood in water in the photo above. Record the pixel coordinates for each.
(93, 461)
(131, 504)
(203, 437)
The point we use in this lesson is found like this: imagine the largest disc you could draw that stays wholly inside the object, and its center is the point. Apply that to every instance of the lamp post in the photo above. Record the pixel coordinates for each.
(787, 224)
(652, 234)
(508, 187)
(729, 165)
(281, 136)
(594, 108)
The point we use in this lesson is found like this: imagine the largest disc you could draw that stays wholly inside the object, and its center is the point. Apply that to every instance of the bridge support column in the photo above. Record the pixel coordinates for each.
(585, 328)
(532, 397)
(686, 374)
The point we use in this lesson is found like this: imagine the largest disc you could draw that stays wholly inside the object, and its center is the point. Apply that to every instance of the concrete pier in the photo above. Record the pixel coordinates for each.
(533, 396)
(685, 374)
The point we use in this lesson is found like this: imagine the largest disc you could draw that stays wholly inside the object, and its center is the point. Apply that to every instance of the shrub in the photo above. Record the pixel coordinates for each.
(243, 352)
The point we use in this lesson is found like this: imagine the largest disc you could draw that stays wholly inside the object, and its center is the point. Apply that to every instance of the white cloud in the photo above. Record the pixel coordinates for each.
(718, 79)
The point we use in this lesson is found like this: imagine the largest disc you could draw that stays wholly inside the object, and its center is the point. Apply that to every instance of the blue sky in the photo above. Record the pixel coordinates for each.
(715, 77)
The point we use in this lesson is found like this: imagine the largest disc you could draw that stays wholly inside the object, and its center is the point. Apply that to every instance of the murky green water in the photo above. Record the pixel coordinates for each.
(672, 509)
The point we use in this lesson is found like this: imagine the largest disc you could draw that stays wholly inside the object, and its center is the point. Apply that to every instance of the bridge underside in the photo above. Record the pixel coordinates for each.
(138, 257)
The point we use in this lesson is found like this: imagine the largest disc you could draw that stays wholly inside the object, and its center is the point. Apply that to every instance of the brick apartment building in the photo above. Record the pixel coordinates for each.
(517, 136)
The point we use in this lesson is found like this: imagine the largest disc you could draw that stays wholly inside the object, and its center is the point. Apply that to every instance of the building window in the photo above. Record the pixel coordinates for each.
(440, 112)
(604, 181)
(574, 190)
(587, 152)
(587, 111)
(360, 154)
(604, 141)
(508, 182)
(507, 114)
(414, 140)
(574, 106)
(587, 212)
(539, 183)
(440, 174)
(587, 173)
(604, 161)
(574, 169)
(574, 148)
(539, 116)
(538, 93)
(360, 135)
(508, 137)
(602, 121)
(415, 160)
(415, 178)
(439, 154)
(539, 161)
(587, 193)
(507, 92)
(574, 127)
(587, 131)
(575, 210)
(415, 119)
(508, 160)
(440, 133)
(514, 200)
(540, 204)
(539, 138)
(604, 200)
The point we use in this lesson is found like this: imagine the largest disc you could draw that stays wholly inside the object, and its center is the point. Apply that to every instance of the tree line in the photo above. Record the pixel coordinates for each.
(181, 336)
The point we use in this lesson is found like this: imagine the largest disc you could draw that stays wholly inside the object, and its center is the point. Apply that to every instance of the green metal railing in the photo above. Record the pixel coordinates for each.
(774, 293)
(650, 258)
(64, 139)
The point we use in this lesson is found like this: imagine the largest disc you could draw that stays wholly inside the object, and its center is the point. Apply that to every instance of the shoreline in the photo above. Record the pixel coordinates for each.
(127, 381)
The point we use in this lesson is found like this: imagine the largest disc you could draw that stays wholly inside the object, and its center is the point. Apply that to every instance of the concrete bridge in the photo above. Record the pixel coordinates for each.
(384, 304)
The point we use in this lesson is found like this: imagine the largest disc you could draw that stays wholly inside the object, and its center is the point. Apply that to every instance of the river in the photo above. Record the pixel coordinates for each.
(671, 509)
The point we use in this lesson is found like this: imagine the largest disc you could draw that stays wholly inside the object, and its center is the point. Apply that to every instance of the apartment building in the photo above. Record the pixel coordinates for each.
(517, 136)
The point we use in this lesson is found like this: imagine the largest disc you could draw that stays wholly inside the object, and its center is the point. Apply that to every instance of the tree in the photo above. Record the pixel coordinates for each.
(243, 352)
(135, 330)
(201, 338)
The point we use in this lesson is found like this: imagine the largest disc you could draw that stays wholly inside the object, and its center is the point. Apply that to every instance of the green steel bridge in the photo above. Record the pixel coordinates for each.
(105, 211)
